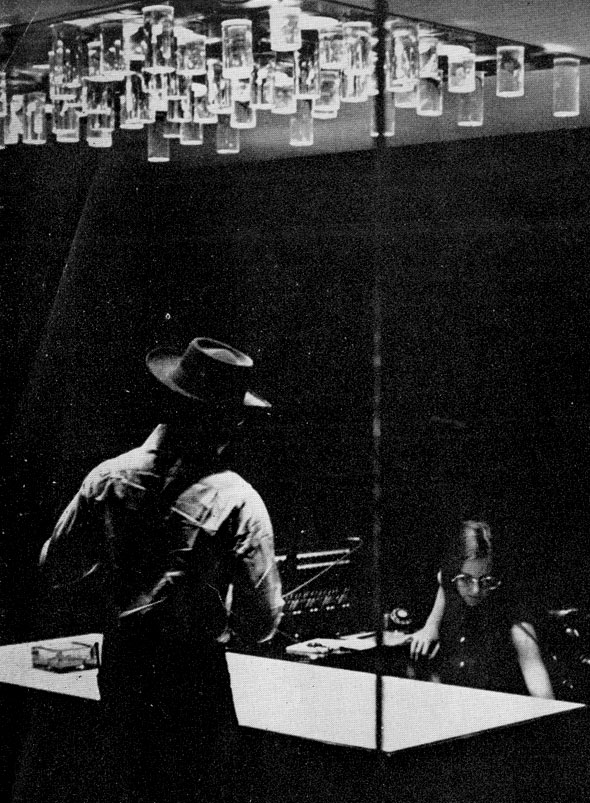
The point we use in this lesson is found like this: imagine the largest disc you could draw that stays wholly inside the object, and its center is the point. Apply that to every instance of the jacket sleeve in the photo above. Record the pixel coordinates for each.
(74, 549)
(256, 598)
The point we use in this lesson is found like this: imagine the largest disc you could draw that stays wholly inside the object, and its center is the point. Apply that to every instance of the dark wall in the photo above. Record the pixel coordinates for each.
(484, 300)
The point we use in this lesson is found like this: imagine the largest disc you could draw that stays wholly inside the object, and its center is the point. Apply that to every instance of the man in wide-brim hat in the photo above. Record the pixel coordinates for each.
(186, 549)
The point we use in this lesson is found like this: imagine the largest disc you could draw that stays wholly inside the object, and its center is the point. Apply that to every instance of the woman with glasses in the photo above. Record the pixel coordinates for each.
(485, 637)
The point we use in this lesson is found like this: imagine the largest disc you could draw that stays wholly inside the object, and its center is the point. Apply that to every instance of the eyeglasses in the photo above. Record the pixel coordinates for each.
(486, 583)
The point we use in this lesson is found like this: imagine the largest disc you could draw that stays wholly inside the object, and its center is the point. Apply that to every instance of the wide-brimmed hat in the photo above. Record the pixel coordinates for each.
(209, 371)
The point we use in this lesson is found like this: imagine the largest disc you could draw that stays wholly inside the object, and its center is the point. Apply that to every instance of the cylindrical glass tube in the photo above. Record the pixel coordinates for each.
(158, 23)
(158, 146)
(307, 68)
(510, 71)
(98, 132)
(331, 44)
(219, 89)
(430, 96)
(112, 52)
(158, 86)
(34, 120)
(191, 134)
(191, 58)
(402, 57)
(134, 43)
(461, 75)
(353, 88)
(13, 122)
(100, 98)
(427, 55)
(134, 100)
(66, 121)
(243, 114)
(283, 85)
(262, 77)
(171, 130)
(328, 103)
(471, 105)
(285, 28)
(301, 125)
(180, 107)
(357, 48)
(68, 62)
(406, 100)
(566, 86)
(236, 43)
(227, 139)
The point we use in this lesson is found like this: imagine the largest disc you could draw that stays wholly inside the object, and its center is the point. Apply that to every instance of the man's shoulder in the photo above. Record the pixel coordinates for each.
(227, 481)
(123, 466)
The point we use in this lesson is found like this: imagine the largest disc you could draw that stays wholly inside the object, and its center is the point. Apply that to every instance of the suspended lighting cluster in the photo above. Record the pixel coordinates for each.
(173, 77)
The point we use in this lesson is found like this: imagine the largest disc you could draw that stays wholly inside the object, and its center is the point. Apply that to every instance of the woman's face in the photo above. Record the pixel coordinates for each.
(469, 587)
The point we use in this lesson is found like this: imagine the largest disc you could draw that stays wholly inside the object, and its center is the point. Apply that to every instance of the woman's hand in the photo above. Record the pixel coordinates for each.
(424, 642)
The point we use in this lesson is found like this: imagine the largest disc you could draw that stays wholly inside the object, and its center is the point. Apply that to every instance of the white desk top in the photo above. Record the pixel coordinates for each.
(322, 703)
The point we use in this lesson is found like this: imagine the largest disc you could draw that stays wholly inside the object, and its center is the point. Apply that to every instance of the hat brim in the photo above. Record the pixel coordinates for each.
(162, 364)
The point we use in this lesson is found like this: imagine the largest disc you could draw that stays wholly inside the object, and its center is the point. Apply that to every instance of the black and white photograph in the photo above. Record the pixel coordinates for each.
(295, 401)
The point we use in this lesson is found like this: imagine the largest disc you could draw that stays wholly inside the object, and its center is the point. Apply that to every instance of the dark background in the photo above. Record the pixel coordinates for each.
(480, 247)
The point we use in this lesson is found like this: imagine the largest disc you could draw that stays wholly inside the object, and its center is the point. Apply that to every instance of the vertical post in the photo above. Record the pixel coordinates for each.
(380, 15)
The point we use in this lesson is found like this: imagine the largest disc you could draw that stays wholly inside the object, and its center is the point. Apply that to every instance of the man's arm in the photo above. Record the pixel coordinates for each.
(530, 661)
(256, 598)
(72, 552)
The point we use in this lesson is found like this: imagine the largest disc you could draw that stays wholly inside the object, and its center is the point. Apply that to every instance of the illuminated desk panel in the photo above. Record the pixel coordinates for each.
(325, 704)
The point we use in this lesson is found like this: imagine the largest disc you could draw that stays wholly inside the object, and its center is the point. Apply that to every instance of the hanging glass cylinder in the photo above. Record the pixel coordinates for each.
(204, 103)
(180, 108)
(427, 54)
(236, 43)
(301, 125)
(243, 114)
(113, 66)
(357, 48)
(327, 105)
(158, 146)
(134, 103)
(402, 60)
(406, 100)
(510, 71)
(191, 134)
(219, 89)
(158, 23)
(191, 58)
(68, 63)
(285, 28)
(307, 67)
(283, 84)
(461, 72)
(99, 130)
(566, 86)
(331, 44)
(353, 88)
(262, 76)
(34, 119)
(65, 121)
(13, 122)
(430, 96)
(227, 139)
(471, 105)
